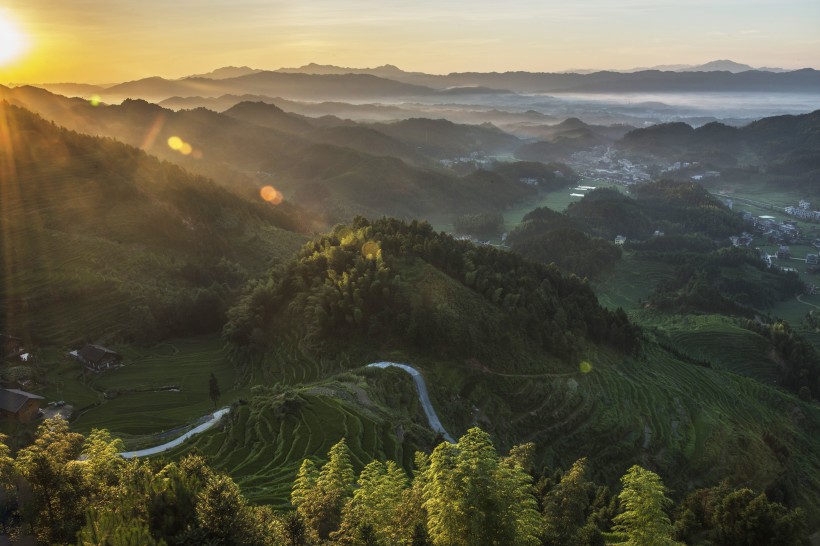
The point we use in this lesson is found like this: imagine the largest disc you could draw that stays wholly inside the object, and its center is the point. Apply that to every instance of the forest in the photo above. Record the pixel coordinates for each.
(66, 488)
(355, 281)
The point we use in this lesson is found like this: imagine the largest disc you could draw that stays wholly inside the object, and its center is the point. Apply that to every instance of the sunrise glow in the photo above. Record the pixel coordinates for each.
(13, 42)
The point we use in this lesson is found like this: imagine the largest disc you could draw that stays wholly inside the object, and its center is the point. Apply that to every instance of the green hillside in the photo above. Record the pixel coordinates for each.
(336, 172)
(102, 241)
(399, 292)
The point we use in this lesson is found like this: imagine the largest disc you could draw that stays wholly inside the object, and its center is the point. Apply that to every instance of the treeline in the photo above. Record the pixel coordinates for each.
(549, 237)
(674, 208)
(69, 489)
(357, 280)
(728, 280)
(799, 362)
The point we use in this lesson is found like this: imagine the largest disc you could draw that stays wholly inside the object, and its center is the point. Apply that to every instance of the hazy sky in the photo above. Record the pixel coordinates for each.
(117, 40)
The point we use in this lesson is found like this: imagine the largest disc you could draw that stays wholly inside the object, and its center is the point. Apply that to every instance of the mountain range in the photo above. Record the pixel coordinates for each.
(321, 82)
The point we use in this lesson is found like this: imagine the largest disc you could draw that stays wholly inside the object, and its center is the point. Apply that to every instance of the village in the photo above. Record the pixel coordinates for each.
(24, 407)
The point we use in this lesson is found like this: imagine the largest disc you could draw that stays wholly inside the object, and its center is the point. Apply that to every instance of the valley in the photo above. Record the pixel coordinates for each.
(572, 282)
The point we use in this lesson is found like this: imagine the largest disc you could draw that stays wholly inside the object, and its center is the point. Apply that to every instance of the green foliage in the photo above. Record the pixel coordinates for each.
(375, 506)
(353, 281)
(676, 208)
(213, 389)
(320, 498)
(728, 280)
(115, 529)
(570, 249)
(111, 241)
(644, 521)
(59, 494)
(567, 507)
(727, 516)
(799, 362)
(472, 497)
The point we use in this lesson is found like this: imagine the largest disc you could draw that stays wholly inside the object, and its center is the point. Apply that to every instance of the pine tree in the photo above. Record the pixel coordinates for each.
(60, 492)
(473, 498)
(320, 498)
(213, 389)
(644, 521)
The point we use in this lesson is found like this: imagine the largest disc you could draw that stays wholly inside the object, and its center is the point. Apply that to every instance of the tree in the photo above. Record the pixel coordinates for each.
(566, 508)
(102, 464)
(59, 490)
(474, 498)
(222, 514)
(375, 506)
(320, 497)
(113, 528)
(8, 478)
(213, 389)
(743, 517)
(644, 521)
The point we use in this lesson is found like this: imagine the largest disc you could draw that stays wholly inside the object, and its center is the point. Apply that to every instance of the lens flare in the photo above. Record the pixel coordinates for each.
(186, 149)
(271, 195)
(371, 250)
(175, 143)
(95, 100)
(585, 366)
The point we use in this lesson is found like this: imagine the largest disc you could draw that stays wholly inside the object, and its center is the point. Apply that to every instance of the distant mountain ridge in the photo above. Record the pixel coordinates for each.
(326, 82)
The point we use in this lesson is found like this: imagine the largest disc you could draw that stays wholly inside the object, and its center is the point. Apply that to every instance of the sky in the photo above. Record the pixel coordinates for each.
(107, 41)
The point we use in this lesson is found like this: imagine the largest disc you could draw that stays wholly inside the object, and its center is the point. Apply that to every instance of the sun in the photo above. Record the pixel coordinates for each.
(12, 40)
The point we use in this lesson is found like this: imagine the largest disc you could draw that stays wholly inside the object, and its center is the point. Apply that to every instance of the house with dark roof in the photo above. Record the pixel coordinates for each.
(10, 346)
(19, 405)
(97, 357)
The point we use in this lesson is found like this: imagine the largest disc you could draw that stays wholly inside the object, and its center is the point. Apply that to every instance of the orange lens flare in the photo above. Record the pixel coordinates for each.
(271, 195)
(185, 148)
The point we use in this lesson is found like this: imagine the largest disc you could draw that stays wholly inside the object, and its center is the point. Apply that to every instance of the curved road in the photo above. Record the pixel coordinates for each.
(424, 397)
(214, 419)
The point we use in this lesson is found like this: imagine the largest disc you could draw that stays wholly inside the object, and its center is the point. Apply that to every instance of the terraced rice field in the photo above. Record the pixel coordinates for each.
(264, 445)
(158, 389)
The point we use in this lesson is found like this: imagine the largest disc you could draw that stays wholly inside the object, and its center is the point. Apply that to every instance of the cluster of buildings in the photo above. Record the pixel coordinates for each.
(24, 407)
(602, 164)
(803, 211)
(475, 159)
(772, 229)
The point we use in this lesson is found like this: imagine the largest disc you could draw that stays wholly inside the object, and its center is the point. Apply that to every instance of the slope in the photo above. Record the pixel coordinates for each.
(101, 240)
(335, 182)
(468, 318)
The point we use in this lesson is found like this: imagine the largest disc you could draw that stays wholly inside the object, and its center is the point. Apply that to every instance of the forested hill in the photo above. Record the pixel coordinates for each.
(390, 283)
(764, 140)
(101, 240)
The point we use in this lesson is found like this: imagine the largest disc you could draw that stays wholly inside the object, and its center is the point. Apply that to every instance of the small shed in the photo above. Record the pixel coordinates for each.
(19, 405)
(97, 357)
